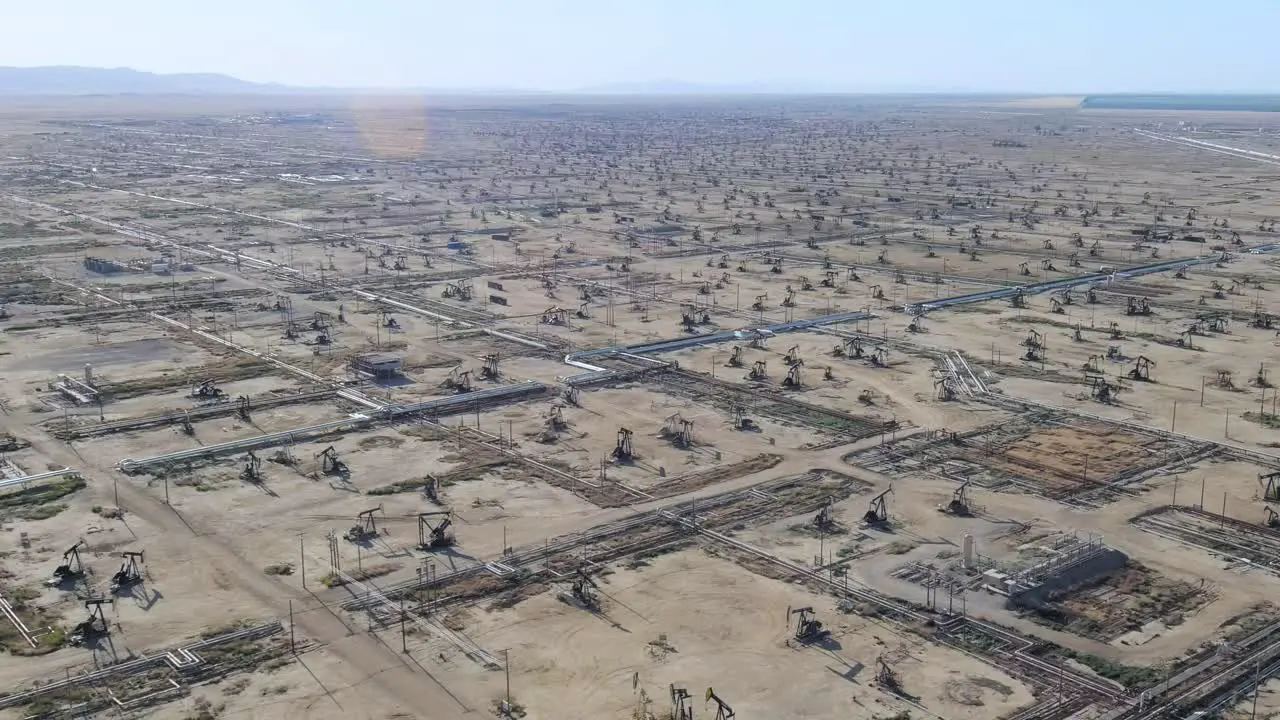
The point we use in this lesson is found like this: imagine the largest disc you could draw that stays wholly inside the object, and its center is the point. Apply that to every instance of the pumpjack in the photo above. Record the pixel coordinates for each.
(584, 591)
(330, 464)
(95, 626)
(432, 535)
(459, 380)
(252, 471)
(849, 347)
(735, 358)
(792, 380)
(1271, 492)
(826, 518)
(207, 390)
(808, 628)
(623, 449)
(490, 369)
(681, 705)
(1142, 368)
(366, 526)
(723, 711)
(1273, 517)
(959, 504)
(130, 572)
(1137, 306)
(71, 568)
(793, 355)
(878, 512)
(759, 371)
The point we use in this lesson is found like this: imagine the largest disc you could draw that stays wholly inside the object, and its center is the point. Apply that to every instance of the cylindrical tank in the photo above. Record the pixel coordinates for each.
(970, 552)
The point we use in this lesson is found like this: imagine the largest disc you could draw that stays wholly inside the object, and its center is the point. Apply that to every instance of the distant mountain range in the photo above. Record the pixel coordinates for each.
(69, 80)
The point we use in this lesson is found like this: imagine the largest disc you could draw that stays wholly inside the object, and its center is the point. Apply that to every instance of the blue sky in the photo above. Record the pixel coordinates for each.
(822, 45)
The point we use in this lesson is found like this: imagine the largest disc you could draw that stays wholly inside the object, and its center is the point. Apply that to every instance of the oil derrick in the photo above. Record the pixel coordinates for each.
(1137, 306)
(1141, 369)
(759, 371)
(735, 357)
(790, 299)
(878, 512)
(95, 626)
(793, 379)
(366, 526)
(759, 303)
(252, 470)
(1271, 488)
(808, 628)
(71, 569)
(681, 704)
(330, 463)
(622, 449)
(723, 711)
(489, 371)
(130, 572)
(1034, 340)
(434, 534)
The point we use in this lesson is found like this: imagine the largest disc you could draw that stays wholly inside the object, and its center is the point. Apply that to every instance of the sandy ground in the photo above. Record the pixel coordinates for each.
(923, 209)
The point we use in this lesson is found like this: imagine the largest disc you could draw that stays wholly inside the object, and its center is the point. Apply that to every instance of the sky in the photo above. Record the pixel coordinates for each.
(1042, 46)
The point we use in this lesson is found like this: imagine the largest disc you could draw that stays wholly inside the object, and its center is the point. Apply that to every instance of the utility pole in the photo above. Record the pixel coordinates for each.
(302, 563)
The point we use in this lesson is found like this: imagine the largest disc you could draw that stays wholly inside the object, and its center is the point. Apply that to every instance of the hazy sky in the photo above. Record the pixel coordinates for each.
(974, 45)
